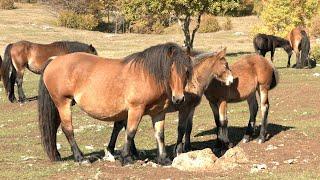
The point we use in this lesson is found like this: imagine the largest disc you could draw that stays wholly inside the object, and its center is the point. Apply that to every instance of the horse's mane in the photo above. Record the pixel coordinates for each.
(157, 60)
(73, 46)
(200, 57)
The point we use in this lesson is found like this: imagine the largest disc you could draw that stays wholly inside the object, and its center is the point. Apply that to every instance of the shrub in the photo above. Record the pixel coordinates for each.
(315, 53)
(7, 4)
(209, 24)
(79, 21)
(315, 26)
(227, 25)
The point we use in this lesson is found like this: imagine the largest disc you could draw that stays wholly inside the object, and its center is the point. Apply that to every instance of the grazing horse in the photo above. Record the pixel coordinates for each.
(300, 44)
(25, 54)
(206, 67)
(251, 73)
(264, 43)
(111, 90)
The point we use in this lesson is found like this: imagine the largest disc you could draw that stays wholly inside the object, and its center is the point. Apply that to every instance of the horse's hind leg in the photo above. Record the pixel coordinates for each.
(289, 57)
(187, 145)
(12, 81)
(19, 81)
(264, 111)
(253, 108)
(67, 128)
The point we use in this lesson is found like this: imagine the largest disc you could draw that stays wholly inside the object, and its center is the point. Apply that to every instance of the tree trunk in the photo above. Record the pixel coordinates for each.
(185, 26)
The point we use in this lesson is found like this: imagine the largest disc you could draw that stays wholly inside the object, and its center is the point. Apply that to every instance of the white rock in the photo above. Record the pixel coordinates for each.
(258, 167)
(59, 146)
(290, 161)
(271, 147)
(195, 160)
(89, 147)
(316, 74)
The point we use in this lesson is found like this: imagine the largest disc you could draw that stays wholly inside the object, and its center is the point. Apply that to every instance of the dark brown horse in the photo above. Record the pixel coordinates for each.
(264, 43)
(206, 67)
(143, 83)
(252, 74)
(300, 44)
(25, 54)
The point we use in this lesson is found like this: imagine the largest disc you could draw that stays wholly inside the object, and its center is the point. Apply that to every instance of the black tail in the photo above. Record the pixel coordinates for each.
(305, 48)
(275, 78)
(8, 72)
(49, 121)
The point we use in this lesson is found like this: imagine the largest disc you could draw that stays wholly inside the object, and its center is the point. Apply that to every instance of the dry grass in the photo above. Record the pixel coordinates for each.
(294, 103)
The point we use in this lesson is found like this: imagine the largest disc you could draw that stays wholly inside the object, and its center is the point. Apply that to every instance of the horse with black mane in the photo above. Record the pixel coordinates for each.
(25, 54)
(300, 43)
(264, 43)
(143, 83)
(206, 67)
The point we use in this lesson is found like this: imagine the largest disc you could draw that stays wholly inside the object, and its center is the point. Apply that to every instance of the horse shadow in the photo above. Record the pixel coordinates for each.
(234, 54)
(235, 135)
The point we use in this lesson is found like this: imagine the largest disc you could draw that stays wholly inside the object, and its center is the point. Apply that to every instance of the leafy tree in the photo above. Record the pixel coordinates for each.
(185, 11)
(280, 16)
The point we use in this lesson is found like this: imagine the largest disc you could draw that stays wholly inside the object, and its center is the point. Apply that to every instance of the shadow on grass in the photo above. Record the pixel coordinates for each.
(235, 136)
(239, 53)
(33, 98)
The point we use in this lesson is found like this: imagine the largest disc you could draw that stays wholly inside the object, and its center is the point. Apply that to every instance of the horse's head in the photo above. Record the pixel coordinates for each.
(287, 47)
(92, 50)
(180, 72)
(221, 69)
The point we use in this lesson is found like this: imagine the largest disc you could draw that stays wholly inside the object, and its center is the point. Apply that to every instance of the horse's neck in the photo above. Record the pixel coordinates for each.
(201, 77)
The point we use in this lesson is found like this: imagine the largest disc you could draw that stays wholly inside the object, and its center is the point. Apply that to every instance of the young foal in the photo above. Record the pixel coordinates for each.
(264, 43)
(25, 54)
(111, 90)
(252, 73)
(206, 67)
(300, 43)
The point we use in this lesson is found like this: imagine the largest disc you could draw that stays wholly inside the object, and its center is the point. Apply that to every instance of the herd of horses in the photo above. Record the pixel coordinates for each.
(160, 79)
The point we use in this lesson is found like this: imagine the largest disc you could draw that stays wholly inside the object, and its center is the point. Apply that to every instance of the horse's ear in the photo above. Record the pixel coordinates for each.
(171, 51)
(189, 50)
(221, 54)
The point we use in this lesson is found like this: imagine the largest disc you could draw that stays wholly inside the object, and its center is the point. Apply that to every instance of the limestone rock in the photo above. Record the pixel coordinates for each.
(231, 159)
(195, 160)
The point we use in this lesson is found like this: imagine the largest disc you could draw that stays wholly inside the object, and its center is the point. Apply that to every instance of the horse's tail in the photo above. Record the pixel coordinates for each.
(48, 120)
(275, 77)
(305, 47)
(6, 68)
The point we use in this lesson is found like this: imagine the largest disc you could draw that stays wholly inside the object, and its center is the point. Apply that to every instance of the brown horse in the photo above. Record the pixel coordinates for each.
(252, 73)
(111, 90)
(206, 67)
(300, 44)
(25, 54)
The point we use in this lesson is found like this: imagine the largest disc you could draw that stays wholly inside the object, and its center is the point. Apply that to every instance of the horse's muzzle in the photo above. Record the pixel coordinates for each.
(178, 99)
(229, 80)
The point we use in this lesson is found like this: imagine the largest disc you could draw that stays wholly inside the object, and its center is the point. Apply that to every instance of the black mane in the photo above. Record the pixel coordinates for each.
(157, 60)
(75, 46)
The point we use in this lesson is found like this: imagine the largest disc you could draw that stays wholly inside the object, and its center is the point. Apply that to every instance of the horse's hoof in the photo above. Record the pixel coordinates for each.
(261, 140)
(126, 160)
(246, 139)
(164, 161)
(288, 66)
(187, 148)
(12, 99)
(85, 162)
(230, 145)
(109, 156)
(178, 149)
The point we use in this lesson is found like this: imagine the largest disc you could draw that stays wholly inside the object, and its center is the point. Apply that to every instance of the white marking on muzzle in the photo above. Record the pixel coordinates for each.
(229, 80)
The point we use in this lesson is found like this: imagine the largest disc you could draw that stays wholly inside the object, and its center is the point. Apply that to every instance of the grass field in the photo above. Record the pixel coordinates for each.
(294, 113)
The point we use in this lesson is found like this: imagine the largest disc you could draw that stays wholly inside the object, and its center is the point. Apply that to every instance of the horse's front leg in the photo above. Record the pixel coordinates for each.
(223, 130)
(253, 109)
(189, 123)
(158, 125)
(117, 127)
(134, 117)
(289, 57)
(264, 111)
